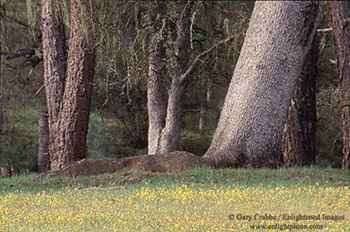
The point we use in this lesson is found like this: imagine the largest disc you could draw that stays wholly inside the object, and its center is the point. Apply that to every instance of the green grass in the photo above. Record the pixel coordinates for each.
(197, 200)
(201, 177)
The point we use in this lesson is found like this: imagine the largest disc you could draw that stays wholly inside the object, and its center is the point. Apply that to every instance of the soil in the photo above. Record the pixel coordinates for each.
(175, 161)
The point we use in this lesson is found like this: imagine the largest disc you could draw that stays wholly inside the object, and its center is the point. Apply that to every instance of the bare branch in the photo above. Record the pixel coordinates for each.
(325, 29)
(198, 58)
(15, 20)
(26, 52)
(332, 61)
(39, 90)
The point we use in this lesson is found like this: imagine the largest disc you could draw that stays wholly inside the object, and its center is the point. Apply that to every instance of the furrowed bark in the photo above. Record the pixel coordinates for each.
(341, 32)
(74, 116)
(55, 66)
(299, 145)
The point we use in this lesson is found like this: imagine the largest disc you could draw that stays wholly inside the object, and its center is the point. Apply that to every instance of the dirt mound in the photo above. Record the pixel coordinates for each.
(175, 161)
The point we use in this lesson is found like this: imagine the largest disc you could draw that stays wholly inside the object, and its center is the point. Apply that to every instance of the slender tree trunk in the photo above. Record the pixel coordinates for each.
(341, 32)
(156, 99)
(204, 104)
(43, 140)
(74, 116)
(1, 113)
(249, 132)
(170, 135)
(299, 145)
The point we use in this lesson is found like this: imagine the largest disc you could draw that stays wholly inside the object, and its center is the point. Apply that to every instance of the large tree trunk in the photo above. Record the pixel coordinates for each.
(170, 134)
(55, 65)
(74, 116)
(43, 140)
(156, 100)
(299, 145)
(341, 32)
(249, 132)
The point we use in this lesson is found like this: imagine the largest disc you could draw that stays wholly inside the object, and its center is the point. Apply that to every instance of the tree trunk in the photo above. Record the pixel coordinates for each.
(43, 140)
(299, 145)
(1, 112)
(170, 134)
(249, 132)
(74, 116)
(156, 100)
(341, 32)
(55, 65)
(204, 104)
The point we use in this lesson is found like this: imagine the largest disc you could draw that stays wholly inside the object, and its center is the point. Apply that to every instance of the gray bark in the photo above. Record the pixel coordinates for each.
(5, 172)
(170, 134)
(249, 132)
(156, 99)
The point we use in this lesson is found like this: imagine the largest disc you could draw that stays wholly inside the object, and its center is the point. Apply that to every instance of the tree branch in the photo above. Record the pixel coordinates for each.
(26, 52)
(15, 20)
(198, 58)
(325, 30)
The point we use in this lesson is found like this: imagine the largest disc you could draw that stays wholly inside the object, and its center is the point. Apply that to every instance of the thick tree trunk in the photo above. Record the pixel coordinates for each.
(74, 116)
(156, 99)
(55, 65)
(299, 145)
(249, 132)
(341, 32)
(170, 135)
(43, 140)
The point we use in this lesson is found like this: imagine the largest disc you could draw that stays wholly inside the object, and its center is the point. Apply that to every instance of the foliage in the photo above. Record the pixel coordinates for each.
(19, 147)
(106, 139)
(194, 142)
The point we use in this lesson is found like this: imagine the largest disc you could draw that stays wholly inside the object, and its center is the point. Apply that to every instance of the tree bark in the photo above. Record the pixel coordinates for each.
(170, 134)
(74, 116)
(43, 140)
(341, 33)
(55, 66)
(249, 132)
(299, 145)
(156, 99)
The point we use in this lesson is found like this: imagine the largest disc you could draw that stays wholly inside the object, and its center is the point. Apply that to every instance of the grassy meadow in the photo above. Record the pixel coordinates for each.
(202, 199)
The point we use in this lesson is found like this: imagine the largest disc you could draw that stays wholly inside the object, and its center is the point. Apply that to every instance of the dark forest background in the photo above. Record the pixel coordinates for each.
(118, 121)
